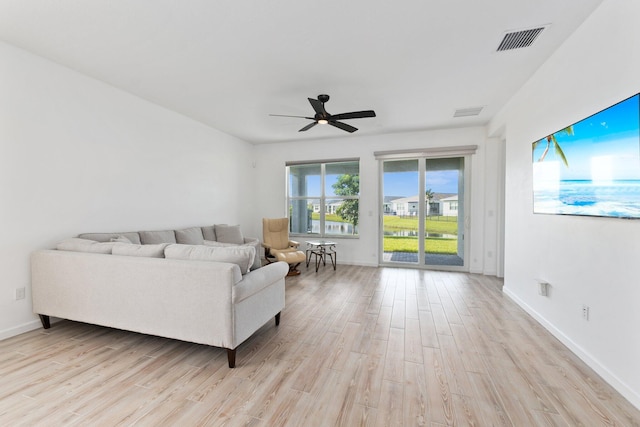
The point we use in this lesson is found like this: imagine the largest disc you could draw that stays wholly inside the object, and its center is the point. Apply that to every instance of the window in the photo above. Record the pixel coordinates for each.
(323, 198)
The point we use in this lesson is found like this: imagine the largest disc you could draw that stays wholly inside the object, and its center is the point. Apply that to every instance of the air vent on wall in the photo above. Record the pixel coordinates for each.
(518, 39)
(466, 112)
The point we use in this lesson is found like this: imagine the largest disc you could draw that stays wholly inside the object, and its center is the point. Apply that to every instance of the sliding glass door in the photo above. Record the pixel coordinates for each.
(444, 190)
(401, 181)
(423, 212)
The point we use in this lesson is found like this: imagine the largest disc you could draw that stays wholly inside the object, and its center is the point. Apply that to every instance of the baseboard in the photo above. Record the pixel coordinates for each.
(357, 263)
(586, 357)
(375, 264)
(20, 329)
(364, 264)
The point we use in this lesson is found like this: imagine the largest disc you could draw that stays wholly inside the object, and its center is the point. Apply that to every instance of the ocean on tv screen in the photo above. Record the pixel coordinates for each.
(620, 199)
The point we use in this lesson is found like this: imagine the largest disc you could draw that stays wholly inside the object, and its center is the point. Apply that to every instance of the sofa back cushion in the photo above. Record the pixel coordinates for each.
(190, 236)
(149, 251)
(155, 237)
(84, 245)
(242, 256)
(229, 234)
(134, 237)
(209, 232)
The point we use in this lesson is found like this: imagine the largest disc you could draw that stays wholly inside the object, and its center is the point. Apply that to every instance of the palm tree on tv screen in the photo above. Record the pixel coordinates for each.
(551, 140)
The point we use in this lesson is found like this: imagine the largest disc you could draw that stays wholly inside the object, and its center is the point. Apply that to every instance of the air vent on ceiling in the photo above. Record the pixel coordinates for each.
(518, 39)
(466, 112)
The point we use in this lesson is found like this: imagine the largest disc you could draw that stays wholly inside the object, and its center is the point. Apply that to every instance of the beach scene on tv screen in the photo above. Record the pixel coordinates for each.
(592, 167)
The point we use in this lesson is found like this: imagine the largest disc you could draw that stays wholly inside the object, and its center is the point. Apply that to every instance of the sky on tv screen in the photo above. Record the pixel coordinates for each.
(608, 136)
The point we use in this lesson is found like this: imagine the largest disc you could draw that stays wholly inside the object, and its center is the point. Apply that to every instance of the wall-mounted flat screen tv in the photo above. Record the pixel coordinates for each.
(591, 167)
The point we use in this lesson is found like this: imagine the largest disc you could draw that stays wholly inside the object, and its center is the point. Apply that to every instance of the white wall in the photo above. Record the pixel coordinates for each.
(270, 168)
(591, 261)
(78, 156)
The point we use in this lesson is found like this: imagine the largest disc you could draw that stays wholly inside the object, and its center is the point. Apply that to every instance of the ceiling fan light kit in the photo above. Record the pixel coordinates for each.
(323, 117)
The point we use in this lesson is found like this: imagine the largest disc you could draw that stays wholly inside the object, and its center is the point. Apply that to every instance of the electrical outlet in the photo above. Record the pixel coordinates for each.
(20, 292)
(585, 312)
(543, 289)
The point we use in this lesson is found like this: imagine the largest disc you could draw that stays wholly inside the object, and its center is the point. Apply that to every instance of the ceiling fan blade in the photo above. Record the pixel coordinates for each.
(285, 115)
(354, 115)
(309, 126)
(343, 126)
(318, 106)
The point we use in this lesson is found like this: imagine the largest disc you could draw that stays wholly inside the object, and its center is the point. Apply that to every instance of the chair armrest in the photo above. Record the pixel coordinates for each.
(266, 246)
(293, 244)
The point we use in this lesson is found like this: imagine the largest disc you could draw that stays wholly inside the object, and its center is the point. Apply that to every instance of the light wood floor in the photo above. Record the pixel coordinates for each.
(359, 346)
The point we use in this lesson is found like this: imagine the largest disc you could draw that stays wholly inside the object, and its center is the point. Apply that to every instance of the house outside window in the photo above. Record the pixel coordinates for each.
(323, 198)
(450, 205)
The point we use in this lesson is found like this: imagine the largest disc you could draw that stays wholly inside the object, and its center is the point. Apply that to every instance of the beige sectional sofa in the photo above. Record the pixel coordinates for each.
(165, 283)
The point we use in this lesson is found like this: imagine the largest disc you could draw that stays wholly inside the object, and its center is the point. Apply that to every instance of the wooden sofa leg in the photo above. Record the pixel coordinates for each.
(46, 322)
(231, 356)
(278, 319)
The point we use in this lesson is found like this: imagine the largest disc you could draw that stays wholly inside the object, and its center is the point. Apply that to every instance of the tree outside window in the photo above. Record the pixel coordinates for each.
(348, 185)
(323, 198)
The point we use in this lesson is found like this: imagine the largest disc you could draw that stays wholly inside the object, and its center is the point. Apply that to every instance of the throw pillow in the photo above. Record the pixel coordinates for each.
(76, 244)
(257, 262)
(149, 251)
(255, 243)
(229, 234)
(190, 236)
(120, 239)
(242, 256)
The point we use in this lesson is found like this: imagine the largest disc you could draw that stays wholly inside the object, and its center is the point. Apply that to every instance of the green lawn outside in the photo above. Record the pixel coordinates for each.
(443, 225)
(410, 244)
(433, 245)
(440, 224)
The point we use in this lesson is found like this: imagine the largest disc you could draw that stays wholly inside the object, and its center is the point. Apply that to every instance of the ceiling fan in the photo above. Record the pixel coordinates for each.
(323, 118)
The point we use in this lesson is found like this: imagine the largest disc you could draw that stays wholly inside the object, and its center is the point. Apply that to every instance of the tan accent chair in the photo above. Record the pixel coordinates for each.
(278, 247)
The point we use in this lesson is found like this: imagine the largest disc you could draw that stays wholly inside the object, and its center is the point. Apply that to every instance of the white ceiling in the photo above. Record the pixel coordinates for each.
(231, 63)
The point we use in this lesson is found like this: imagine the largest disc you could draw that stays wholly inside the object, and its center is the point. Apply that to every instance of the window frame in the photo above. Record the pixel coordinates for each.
(323, 199)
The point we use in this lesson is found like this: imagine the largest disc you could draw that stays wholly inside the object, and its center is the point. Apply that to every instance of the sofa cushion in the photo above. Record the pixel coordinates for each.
(217, 244)
(150, 251)
(242, 256)
(229, 234)
(209, 232)
(76, 244)
(190, 236)
(155, 237)
(106, 237)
